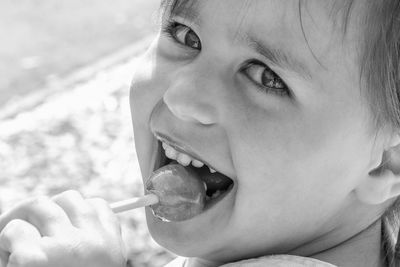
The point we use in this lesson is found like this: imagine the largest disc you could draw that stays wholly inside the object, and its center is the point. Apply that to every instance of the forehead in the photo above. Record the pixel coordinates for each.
(330, 8)
(321, 22)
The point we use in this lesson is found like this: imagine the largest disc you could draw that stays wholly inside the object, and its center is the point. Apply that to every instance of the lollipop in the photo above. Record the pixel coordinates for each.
(181, 193)
(173, 192)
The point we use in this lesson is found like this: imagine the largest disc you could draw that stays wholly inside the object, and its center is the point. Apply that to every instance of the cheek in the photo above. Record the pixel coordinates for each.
(291, 153)
(292, 175)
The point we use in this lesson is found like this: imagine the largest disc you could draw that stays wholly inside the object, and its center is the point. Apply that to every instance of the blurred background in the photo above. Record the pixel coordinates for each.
(64, 109)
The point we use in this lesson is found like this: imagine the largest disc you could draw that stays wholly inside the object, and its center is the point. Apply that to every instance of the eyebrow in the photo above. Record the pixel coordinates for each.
(279, 57)
(187, 9)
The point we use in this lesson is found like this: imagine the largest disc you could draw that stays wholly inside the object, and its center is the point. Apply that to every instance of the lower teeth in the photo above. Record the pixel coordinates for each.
(216, 194)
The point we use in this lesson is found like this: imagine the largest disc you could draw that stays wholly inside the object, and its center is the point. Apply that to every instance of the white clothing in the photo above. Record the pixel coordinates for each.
(267, 261)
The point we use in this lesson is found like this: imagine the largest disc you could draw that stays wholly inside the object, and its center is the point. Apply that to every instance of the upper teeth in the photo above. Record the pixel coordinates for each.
(183, 158)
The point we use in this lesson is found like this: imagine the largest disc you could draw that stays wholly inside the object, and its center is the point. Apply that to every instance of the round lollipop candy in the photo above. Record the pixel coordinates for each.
(173, 192)
(181, 192)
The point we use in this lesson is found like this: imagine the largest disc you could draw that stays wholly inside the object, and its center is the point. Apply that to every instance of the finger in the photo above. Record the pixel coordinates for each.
(49, 218)
(30, 257)
(18, 234)
(109, 221)
(19, 244)
(80, 213)
(106, 216)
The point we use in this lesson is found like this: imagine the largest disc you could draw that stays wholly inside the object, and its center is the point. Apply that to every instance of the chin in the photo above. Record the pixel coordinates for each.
(172, 237)
(191, 244)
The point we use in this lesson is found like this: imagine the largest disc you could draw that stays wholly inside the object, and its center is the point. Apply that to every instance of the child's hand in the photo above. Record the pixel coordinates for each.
(63, 231)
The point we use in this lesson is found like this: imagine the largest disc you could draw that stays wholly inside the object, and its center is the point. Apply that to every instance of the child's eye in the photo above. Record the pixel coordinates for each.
(265, 79)
(183, 35)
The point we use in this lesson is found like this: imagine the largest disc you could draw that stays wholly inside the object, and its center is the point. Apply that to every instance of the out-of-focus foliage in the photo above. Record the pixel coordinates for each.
(80, 138)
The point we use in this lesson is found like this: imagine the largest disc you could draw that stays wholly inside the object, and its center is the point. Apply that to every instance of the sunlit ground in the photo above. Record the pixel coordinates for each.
(79, 138)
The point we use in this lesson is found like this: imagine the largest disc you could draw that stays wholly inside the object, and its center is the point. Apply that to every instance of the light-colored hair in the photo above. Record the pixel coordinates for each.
(380, 70)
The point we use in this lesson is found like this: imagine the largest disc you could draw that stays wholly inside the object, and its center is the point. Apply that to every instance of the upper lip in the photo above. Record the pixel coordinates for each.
(181, 148)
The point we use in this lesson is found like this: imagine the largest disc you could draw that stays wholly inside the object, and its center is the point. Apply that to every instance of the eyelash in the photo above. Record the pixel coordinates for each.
(170, 29)
(281, 89)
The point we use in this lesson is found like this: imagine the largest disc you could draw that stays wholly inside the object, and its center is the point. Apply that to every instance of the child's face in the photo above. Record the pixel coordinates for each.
(294, 158)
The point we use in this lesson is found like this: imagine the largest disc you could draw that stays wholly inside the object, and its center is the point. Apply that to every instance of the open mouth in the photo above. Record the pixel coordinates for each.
(218, 184)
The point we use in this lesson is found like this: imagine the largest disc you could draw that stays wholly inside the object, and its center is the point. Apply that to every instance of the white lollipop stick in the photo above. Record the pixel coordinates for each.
(134, 203)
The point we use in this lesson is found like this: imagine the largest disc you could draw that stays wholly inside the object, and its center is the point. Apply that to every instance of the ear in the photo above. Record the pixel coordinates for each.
(383, 182)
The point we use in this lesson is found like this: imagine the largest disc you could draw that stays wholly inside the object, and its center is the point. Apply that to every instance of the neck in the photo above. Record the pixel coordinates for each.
(363, 249)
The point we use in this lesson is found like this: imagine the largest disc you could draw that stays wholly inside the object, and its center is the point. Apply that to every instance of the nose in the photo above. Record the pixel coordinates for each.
(192, 97)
